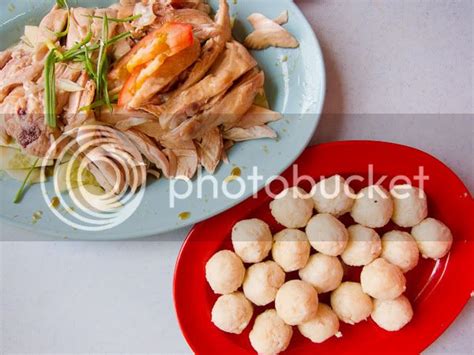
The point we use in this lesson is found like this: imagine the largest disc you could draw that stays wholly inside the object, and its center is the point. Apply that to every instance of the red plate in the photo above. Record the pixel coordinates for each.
(437, 290)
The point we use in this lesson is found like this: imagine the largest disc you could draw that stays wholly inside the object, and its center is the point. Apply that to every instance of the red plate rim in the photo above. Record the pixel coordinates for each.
(457, 300)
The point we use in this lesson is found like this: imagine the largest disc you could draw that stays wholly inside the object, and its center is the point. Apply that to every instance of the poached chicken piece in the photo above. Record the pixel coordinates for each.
(269, 33)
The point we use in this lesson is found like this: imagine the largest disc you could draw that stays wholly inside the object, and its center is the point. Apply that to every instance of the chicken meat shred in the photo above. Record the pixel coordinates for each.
(22, 112)
(210, 149)
(233, 63)
(269, 33)
(20, 68)
(244, 134)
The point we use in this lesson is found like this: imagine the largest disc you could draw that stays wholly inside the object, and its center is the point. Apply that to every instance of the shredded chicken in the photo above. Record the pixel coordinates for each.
(234, 62)
(20, 68)
(150, 150)
(269, 33)
(75, 112)
(79, 25)
(164, 75)
(22, 111)
(244, 134)
(181, 105)
(210, 149)
(255, 116)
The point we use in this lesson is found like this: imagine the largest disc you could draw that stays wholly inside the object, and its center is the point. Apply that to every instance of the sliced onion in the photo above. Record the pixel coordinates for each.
(69, 86)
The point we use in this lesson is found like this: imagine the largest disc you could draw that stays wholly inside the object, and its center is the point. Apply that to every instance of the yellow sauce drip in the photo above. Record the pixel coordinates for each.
(236, 172)
(184, 215)
(55, 202)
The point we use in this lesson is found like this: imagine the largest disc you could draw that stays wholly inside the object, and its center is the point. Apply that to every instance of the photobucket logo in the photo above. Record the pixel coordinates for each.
(182, 188)
(83, 157)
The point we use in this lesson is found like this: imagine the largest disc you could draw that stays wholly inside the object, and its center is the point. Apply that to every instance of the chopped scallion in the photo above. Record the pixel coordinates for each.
(119, 20)
(21, 191)
(50, 89)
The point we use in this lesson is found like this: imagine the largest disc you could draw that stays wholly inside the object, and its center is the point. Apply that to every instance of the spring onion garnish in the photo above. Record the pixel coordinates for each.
(102, 65)
(99, 103)
(66, 31)
(76, 49)
(102, 56)
(82, 52)
(50, 89)
(88, 64)
(119, 20)
(118, 38)
(62, 4)
(21, 191)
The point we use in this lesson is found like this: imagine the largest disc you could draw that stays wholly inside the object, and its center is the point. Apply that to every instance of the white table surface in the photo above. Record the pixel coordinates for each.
(410, 60)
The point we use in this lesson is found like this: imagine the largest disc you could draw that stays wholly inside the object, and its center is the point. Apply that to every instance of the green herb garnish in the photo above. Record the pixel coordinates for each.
(76, 49)
(62, 4)
(21, 191)
(99, 103)
(66, 31)
(102, 57)
(50, 89)
(119, 20)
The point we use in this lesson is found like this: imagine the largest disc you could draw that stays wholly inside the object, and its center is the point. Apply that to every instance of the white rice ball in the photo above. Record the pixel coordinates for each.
(433, 237)
(350, 303)
(382, 280)
(333, 196)
(327, 234)
(296, 302)
(291, 249)
(232, 313)
(392, 315)
(321, 327)
(400, 249)
(270, 335)
(225, 272)
(290, 209)
(409, 205)
(262, 282)
(323, 272)
(373, 207)
(363, 247)
(252, 240)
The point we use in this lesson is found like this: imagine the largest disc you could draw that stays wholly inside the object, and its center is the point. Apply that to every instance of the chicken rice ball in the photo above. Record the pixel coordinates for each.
(252, 240)
(392, 315)
(323, 272)
(409, 205)
(382, 280)
(270, 334)
(232, 313)
(373, 207)
(327, 234)
(333, 196)
(433, 237)
(225, 272)
(292, 208)
(350, 303)
(291, 249)
(363, 247)
(400, 249)
(296, 302)
(262, 282)
(321, 327)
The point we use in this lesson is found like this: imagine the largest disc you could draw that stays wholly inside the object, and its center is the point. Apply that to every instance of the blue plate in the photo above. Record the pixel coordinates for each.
(295, 86)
